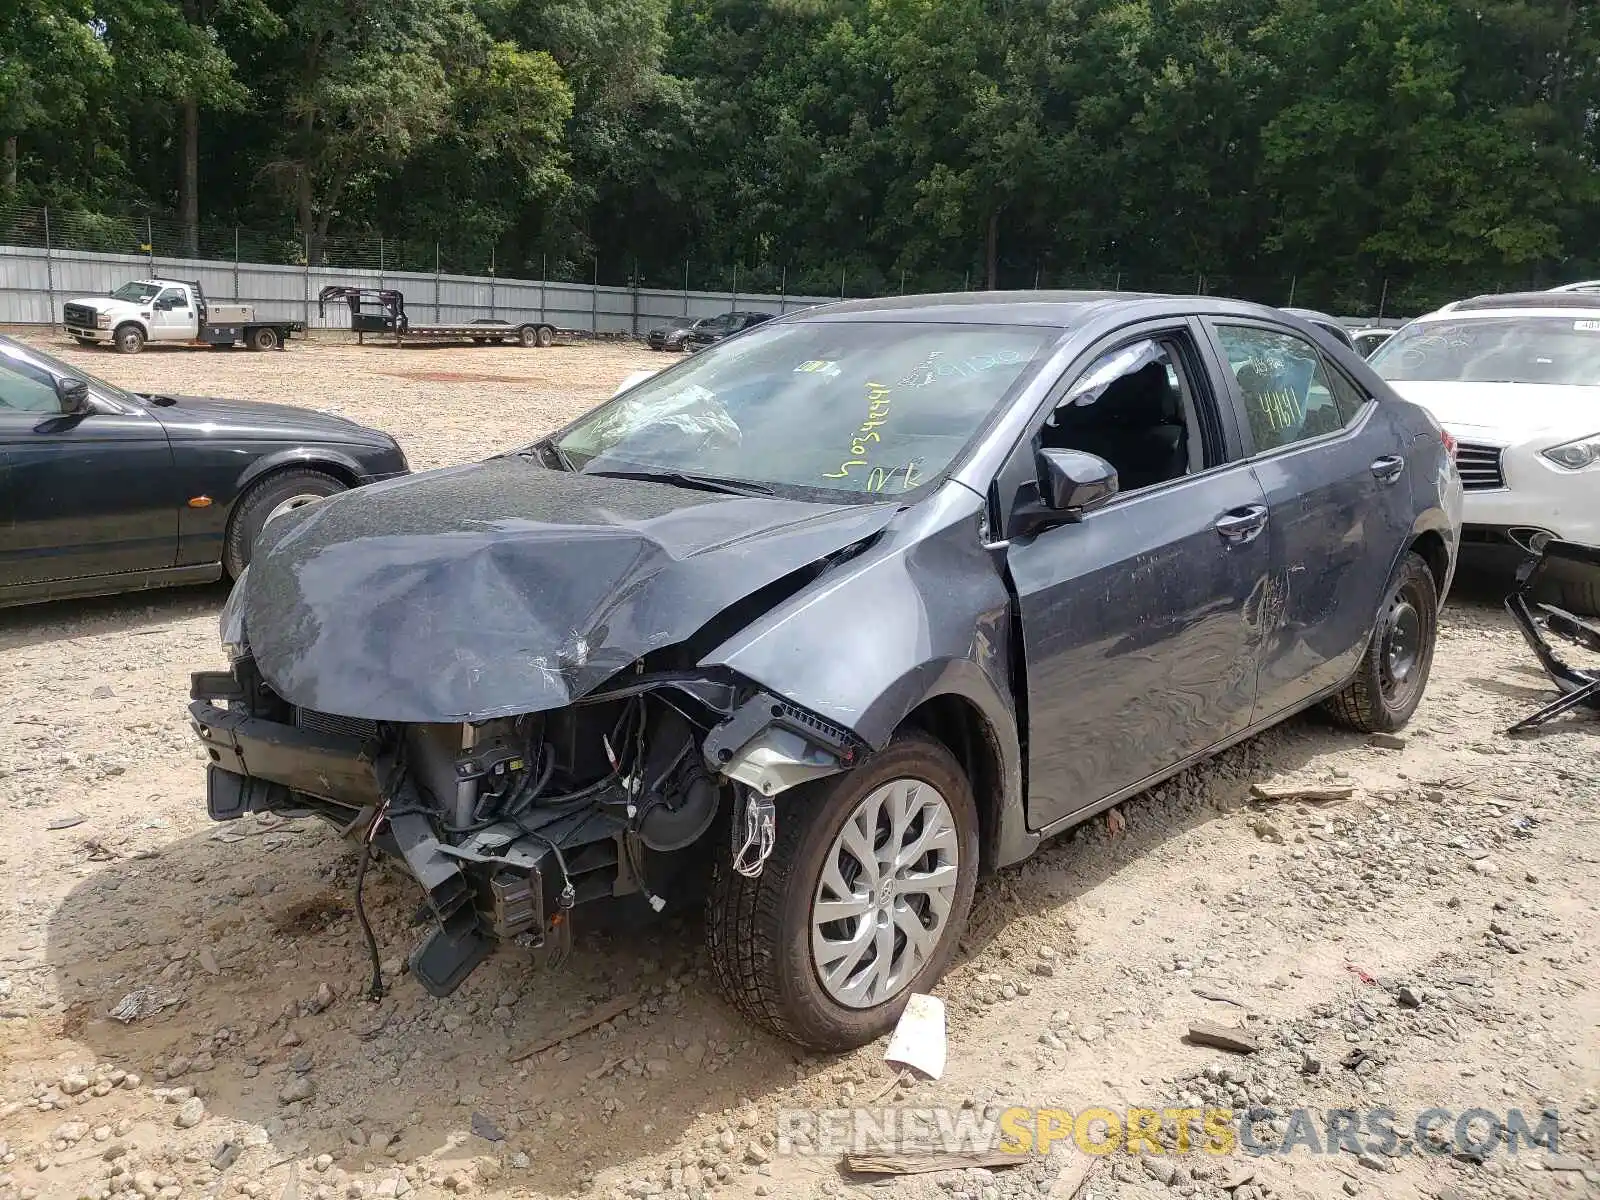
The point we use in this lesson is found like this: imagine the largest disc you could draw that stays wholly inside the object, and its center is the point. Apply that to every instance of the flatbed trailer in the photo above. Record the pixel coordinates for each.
(381, 313)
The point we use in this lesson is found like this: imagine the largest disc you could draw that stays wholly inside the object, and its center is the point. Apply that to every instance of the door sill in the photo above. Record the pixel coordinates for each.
(108, 585)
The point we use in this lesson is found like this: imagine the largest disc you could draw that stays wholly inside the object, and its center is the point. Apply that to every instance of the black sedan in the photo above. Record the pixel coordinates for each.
(889, 594)
(104, 490)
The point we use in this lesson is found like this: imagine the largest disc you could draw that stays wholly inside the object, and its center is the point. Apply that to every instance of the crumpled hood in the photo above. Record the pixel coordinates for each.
(1509, 412)
(503, 587)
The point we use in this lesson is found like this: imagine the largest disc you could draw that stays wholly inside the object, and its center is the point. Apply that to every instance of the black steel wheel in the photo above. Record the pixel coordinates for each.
(1389, 683)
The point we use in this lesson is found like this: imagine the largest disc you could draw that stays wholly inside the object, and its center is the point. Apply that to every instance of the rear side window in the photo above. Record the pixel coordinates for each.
(1288, 392)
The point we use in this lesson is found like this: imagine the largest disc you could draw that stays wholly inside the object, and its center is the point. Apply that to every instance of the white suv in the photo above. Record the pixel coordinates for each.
(1516, 380)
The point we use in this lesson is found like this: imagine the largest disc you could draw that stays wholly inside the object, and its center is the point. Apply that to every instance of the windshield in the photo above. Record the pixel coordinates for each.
(1500, 349)
(63, 370)
(857, 408)
(136, 293)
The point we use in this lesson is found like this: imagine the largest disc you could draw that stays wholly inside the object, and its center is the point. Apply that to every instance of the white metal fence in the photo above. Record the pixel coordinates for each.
(34, 283)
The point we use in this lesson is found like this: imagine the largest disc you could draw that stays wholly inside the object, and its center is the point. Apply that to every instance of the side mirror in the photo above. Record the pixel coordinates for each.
(74, 396)
(1072, 483)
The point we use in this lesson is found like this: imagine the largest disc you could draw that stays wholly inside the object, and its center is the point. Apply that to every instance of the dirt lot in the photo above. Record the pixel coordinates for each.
(1430, 942)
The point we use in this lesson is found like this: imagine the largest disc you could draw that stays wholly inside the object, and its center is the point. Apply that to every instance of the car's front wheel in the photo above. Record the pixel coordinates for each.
(268, 498)
(861, 904)
(128, 339)
(1388, 685)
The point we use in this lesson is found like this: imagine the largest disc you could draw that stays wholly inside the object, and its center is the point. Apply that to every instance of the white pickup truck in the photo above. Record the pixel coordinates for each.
(172, 311)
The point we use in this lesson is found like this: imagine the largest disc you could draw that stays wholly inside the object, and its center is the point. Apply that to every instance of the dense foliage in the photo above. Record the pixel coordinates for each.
(1438, 145)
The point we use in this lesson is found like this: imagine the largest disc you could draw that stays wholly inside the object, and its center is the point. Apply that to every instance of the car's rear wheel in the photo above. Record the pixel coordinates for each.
(861, 904)
(528, 336)
(1388, 685)
(271, 497)
(547, 337)
(262, 338)
(128, 339)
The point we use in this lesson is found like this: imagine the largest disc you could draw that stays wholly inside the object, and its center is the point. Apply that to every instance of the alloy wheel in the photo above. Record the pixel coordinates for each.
(883, 902)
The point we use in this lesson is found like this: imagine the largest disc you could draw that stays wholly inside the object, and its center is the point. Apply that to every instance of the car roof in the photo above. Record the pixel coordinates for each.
(1526, 301)
(1050, 309)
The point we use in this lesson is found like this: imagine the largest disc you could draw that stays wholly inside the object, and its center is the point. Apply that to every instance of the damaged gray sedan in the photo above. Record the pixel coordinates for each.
(815, 625)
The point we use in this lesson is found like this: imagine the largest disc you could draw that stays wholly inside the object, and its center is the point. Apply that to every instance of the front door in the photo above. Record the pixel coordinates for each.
(80, 495)
(1141, 623)
(1331, 461)
(172, 317)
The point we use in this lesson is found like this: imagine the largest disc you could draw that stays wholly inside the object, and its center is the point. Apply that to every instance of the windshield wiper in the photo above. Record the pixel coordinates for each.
(704, 483)
(563, 460)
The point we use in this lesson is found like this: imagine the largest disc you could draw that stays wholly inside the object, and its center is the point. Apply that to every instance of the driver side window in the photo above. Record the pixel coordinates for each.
(172, 298)
(25, 388)
(1134, 408)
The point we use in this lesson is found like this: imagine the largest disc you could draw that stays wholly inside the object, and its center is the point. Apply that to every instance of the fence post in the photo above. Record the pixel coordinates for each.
(841, 282)
(150, 242)
(235, 263)
(1036, 271)
(308, 279)
(594, 300)
(436, 317)
(686, 287)
(380, 260)
(544, 273)
(733, 297)
(1117, 287)
(1384, 298)
(634, 326)
(491, 283)
(966, 280)
(1293, 279)
(783, 290)
(902, 281)
(49, 272)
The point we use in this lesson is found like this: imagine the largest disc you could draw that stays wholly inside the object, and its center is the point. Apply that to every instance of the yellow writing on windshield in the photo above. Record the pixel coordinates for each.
(867, 437)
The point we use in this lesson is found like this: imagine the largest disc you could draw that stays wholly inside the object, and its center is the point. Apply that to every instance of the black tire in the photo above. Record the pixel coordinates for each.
(758, 930)
(128, 339)
(261, 337)
(256, 505)
(528, 336)
(477, 341)
(1581, 599)
(1375, 700)
(546, 337)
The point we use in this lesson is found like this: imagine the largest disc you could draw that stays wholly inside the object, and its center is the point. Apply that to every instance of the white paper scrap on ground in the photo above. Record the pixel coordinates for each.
(918, 1039)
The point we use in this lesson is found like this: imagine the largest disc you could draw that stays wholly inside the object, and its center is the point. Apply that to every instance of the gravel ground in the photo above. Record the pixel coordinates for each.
(1429, 942)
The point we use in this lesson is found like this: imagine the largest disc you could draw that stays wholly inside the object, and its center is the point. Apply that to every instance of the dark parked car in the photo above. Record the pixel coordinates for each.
(819, 627)
(670, 335)
(696, 335)
(104, 490)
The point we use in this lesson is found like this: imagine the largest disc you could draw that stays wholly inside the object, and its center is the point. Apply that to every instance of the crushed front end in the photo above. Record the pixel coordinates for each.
(507, 824)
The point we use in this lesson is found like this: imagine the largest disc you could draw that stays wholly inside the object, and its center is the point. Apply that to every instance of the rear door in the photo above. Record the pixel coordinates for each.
(83, 495)
(1332, 464)
(1139, 623)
